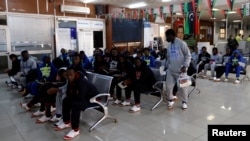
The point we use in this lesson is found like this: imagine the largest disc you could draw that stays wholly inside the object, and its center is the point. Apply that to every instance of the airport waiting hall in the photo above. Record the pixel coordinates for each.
(112, 55)
(218, 103)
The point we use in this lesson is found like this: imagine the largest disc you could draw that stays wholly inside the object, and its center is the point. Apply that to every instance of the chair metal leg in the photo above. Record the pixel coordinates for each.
(157, 103)
(100, 120)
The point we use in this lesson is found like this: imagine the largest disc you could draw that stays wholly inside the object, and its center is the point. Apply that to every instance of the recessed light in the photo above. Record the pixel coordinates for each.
(215, 9)
(166, 0)
(236, 21)
(87, 1)
(137, 5)
(231, 12)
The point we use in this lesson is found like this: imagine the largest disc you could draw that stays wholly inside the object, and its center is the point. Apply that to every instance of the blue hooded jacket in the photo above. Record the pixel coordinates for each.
(239, 57)
(46, 72)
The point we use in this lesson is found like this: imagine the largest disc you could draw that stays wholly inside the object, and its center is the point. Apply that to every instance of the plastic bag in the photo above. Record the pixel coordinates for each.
(184, 80)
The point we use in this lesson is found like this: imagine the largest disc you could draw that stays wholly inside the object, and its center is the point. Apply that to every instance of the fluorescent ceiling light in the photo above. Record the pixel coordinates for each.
(137, 5)
(213, 18)
(231, 12)
(177, 13)
(236, 21)
(87, 1)
(224, 20)
(166, 0)
(215, 9)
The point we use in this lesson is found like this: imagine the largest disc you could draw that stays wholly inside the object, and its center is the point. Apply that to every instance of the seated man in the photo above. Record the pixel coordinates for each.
(143, 80)
(27, 64)
(236, 62)
(14, 70)
(220, 70)
(203, 59)
(78, 95)
(148, 58)
(125, 75)
(215, 60)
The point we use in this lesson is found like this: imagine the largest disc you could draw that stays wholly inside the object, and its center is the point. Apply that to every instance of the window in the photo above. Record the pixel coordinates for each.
(222, 33)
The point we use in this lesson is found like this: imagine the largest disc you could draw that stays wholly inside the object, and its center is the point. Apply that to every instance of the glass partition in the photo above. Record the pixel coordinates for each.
(30, 33)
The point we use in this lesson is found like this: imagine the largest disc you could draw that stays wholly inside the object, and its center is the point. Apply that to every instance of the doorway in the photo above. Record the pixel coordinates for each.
(4, 48)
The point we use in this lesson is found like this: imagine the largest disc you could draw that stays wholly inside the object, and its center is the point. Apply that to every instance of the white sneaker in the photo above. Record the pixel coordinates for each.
(226, 80)
(116, 102)
(37, 104)
(211, 78)
(204, 76)
(184, 106)
(217, 79)
(43, 119)
(29, 96)
(72, 134)
(110, 98)
(25, 106)
(125, 103)
(38, 113)
(62, 126)
(237, 81)
(55, 119)
(135, 109)
(59, 122)
(170, 104)
(175, 97)
(52, 109)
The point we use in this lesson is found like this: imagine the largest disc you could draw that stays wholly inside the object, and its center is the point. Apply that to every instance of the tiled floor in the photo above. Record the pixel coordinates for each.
(218, 103)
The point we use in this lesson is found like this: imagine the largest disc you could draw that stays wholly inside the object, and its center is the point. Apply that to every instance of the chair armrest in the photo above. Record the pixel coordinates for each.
(94, 99)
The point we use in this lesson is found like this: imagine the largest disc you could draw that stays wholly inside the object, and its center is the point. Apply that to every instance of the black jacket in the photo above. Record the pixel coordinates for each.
(15, 68)
(81, 91)
(204, 57)
(144, 76)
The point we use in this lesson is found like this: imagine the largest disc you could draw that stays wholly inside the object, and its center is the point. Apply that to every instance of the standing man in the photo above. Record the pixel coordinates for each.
(178, 60)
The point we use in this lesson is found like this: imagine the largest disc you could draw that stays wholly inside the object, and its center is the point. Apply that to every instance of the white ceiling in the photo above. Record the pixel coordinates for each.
(220, 4)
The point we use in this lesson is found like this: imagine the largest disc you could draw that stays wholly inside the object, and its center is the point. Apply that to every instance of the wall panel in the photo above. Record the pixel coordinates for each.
(22, 6)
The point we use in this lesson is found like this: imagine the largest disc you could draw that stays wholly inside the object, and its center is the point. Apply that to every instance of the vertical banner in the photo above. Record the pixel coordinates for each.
(171, 9)
(196, 4)
(230, 4)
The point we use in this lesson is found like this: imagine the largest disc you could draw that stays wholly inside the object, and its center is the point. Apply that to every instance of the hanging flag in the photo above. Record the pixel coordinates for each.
(241, 12)
(213, 13)
(230, 4)
(171, 9)
(165, 15)
(199, 13)
(196, 5)
(225, 13)
(147, 15)
(186, 25)
(161, 11)
(190, 7)
(135, 14)
(211, 4)
(139, 14)
(182, 8)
